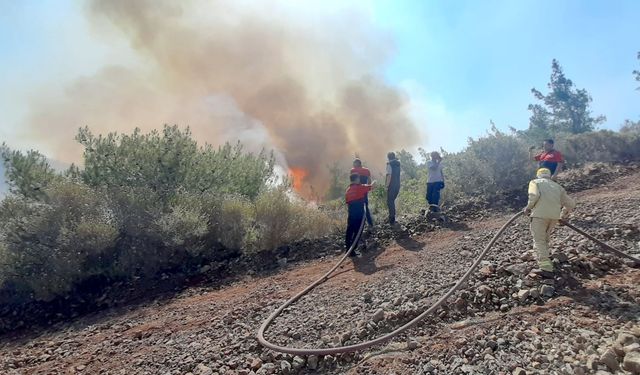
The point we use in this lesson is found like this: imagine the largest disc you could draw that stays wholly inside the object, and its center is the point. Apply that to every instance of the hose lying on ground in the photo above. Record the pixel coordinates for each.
(602, 244)
(413, 322)
(379, 340)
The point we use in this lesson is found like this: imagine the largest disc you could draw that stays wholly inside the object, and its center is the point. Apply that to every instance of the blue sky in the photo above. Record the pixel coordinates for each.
(478, 60)
(43, 43)
(463, 63)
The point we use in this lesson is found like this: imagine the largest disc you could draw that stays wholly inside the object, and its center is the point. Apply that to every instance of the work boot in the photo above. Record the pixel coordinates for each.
(541, 273)
(546, 265)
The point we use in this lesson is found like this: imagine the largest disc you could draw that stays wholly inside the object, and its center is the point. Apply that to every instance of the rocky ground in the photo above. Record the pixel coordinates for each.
(504, 321)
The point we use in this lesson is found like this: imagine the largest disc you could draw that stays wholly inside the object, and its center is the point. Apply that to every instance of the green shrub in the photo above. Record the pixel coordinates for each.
(6, 264)
(601, 146)
(311, 222)
(184, 229)
(495, 163)
(274, 218)
(281, 220)
(377, 201)
(50, 246)
(233, 223)
(413, 192)
(142, 204)
(171, 161)
(139, 249)
(27, 174)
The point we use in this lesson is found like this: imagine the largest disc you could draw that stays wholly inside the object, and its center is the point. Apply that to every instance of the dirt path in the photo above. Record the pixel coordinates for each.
(561, 320)
(94, 344)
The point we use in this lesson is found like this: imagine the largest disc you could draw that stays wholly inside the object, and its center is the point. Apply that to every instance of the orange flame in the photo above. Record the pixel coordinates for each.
(298, 175)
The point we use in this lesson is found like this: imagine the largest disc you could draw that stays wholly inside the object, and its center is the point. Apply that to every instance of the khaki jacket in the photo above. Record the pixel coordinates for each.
(547, 198)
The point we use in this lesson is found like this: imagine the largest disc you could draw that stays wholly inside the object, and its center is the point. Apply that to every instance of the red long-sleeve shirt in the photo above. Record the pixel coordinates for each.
(356, 192)
(364, 174)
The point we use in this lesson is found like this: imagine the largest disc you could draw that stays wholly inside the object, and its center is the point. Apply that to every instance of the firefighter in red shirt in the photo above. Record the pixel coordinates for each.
(549, 158)
(355, 198)
(365, 178)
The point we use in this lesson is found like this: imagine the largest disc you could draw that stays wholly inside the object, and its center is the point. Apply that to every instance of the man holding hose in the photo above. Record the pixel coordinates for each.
(355, 198)
(548, 202)
(365, 178)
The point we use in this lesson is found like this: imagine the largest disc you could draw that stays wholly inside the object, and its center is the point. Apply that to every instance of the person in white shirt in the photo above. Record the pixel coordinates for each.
(435, 181)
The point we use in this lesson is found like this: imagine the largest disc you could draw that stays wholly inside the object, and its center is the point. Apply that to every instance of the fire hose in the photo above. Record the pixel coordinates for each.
(414, 321)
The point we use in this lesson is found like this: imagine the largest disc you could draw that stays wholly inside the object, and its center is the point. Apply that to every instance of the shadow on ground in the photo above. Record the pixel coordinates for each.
(615, 302)
(366, 262)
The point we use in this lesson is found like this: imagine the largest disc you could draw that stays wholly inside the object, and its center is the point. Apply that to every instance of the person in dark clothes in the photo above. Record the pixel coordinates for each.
(355, 198)
(393, 185)
(365, 179)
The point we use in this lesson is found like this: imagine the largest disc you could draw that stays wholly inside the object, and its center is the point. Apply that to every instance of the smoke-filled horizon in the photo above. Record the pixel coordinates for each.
(306, 85)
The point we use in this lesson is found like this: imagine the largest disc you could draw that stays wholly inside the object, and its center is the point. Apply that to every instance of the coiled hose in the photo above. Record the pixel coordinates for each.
(414, 321)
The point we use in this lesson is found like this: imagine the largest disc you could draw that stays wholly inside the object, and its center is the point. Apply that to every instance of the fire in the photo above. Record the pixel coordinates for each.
(298, 175)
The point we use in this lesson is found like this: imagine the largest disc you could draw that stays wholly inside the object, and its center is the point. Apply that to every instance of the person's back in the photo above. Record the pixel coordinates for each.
(394, 166)
(435, 171)
(364, 173)
(547, 200)
(365, 178)
(355, 197)
(551, 198)
(393, 185)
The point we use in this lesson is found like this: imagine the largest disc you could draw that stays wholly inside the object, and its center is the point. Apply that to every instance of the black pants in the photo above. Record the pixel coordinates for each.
(433, 195)
(392, 194)
(356, 214)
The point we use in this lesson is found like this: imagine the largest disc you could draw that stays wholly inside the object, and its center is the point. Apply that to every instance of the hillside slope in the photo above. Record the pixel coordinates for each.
(502, 321)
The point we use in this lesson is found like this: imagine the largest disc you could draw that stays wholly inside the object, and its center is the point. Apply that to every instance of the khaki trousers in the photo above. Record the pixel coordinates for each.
(541, 230)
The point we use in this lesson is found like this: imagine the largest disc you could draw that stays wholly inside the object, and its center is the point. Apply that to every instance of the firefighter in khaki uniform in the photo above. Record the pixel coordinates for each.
(548, 202)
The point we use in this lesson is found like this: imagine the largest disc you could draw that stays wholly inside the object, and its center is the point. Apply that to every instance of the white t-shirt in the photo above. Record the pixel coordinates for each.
(435, 172)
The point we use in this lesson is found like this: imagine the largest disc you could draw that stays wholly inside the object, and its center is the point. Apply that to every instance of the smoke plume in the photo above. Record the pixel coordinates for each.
(306, 84)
